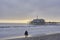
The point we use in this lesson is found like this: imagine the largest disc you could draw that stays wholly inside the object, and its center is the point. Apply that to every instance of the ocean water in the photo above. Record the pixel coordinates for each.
(11, 30)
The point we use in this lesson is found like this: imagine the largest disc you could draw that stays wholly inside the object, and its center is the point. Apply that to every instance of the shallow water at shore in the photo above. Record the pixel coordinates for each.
(18, 30)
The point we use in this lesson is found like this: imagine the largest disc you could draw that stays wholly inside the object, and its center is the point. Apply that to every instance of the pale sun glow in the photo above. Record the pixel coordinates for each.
(23, 21)
(14, 21)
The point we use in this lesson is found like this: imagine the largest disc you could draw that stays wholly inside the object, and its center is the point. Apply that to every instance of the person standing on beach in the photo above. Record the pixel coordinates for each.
(26, 33)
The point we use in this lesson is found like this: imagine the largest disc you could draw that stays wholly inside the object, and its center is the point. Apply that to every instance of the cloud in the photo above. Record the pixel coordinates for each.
(22, 9)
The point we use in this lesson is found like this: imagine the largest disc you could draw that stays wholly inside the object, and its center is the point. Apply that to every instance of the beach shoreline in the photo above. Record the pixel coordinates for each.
(55, 36)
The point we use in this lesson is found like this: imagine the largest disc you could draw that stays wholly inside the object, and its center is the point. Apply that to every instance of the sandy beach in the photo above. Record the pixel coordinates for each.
(55, 36)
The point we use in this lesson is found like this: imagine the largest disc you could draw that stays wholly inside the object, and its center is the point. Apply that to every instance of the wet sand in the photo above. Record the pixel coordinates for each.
(45, 37)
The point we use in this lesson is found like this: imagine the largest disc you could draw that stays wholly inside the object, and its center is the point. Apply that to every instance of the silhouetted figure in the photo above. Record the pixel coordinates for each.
(26, 33)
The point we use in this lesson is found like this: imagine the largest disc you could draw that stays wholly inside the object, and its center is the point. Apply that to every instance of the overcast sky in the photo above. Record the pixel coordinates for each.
(27, 9)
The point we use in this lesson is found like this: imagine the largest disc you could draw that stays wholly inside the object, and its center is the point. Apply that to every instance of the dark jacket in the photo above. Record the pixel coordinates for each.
(26, 33)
